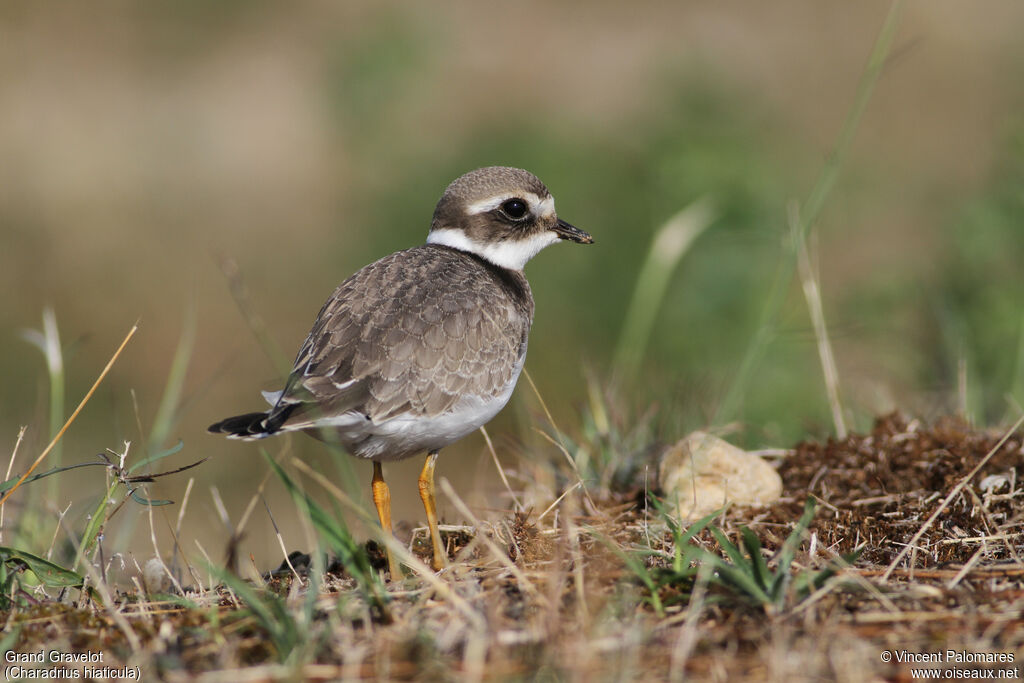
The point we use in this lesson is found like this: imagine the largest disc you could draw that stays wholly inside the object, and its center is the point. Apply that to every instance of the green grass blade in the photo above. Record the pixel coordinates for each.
(731, 550)
(48, 342)
(757, 562)
(268, 609)
(96, 522)
(679, 536)
(338, 538)
(667, 248)
(834, 162)
(698, 527)
(788, 551)
(826, 180)
(149, 502)
(638, 569)
(165, 417)
(733, 578)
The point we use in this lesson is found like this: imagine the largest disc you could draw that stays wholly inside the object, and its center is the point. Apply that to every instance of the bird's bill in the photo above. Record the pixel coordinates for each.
(566, 231)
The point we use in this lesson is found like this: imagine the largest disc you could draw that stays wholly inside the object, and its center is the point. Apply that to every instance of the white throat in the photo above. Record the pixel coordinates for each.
(511, 254)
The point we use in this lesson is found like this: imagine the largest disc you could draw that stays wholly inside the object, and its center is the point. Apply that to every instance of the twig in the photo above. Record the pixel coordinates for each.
(991, 524)
(989, 572)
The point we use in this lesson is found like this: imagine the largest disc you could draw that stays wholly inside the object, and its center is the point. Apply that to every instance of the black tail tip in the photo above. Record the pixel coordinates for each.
(248, 426)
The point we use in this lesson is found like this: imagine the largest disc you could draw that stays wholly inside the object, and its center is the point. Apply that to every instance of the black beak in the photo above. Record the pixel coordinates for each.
(571, 232)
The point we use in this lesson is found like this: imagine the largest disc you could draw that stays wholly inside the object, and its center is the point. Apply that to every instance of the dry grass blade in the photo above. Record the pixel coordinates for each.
(826, 180)
(74, 415)
(949, 498)
(157, 555)
(558, 500)
(499, 555)
(966, 569)
(280, 541)
(501, 470)
(565, 451)
(688, 634)
(10, 466)
(812, 293)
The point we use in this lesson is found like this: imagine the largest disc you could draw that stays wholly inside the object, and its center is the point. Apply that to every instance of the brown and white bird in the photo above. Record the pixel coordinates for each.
(424, 346)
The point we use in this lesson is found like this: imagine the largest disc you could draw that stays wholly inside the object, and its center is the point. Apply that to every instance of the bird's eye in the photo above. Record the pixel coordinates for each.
(514, 208)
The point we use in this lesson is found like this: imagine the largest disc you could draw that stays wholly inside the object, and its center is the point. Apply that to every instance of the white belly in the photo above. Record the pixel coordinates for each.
(405, 435)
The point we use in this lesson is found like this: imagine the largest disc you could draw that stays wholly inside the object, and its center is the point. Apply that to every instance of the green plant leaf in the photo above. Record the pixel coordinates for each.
(56, 470)
(48, 573)
(10, 638)
(158, 456)
(738, 578)
(151, 502)
(757, 562)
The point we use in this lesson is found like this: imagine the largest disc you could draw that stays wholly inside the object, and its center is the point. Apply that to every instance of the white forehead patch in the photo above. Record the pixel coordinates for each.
(538, 207)
(512, 254)
(546, 207)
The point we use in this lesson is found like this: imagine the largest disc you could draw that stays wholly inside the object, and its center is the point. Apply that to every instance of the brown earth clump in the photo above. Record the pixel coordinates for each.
(878, 489)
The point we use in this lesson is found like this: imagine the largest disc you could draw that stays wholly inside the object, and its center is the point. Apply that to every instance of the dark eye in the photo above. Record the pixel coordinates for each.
(514, 208)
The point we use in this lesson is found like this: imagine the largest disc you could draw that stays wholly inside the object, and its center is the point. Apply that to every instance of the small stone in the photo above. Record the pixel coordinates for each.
(704, 473)
(154, 576)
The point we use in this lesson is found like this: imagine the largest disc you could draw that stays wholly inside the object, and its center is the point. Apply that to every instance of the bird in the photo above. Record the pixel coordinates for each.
(424, 346)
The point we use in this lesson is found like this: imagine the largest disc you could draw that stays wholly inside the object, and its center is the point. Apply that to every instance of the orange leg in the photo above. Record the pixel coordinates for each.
(382, 501)
(426, 485)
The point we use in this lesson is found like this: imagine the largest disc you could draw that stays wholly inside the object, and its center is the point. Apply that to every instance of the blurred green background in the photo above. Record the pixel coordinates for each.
(143, 145)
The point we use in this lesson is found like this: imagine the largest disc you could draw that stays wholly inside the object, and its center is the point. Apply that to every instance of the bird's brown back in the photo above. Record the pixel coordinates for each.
(411, 333)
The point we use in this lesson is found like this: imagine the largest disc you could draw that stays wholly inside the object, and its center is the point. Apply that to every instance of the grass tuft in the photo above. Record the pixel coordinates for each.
(339, 540)
(743, 574)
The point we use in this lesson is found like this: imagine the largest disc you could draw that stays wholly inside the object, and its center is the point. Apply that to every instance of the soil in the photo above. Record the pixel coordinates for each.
(561, 602)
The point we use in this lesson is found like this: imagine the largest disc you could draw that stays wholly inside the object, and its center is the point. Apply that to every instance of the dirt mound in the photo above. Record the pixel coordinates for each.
(881, 487)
